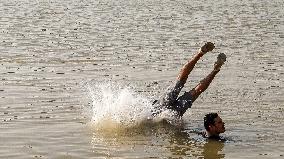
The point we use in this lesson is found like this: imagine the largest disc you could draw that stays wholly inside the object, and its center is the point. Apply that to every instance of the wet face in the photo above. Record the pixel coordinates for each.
(219, 126)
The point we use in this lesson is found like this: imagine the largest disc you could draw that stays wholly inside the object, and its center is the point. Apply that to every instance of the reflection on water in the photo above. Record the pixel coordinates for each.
(184, 145)
(213, 149)
(158, 139)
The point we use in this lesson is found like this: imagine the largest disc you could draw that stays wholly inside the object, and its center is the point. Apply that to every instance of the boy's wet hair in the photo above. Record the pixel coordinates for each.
(209, 120)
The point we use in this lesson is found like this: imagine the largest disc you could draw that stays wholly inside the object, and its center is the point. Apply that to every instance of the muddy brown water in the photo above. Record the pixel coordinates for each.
(52, 49)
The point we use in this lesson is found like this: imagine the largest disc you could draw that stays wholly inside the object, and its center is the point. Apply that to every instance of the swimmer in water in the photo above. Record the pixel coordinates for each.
(179, 104)
(214, 126)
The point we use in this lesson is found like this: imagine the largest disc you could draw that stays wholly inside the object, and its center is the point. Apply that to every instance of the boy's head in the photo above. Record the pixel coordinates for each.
(214, 124)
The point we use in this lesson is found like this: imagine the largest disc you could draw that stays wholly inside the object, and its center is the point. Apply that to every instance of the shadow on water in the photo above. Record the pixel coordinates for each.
(153, 139)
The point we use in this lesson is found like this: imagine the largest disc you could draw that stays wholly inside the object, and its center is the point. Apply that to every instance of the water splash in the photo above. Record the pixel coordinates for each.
(117, 104)
(117, 107)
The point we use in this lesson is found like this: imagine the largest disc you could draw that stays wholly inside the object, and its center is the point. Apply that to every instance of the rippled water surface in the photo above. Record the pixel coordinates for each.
(57, 55)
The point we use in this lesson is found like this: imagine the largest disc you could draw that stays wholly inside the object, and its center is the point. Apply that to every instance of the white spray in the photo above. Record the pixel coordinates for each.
(116, 104)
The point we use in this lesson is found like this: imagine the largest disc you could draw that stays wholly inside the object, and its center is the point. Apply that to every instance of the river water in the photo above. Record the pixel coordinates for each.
(78, 77)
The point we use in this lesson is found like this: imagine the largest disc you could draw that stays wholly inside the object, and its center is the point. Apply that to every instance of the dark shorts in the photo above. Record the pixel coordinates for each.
(171, 100)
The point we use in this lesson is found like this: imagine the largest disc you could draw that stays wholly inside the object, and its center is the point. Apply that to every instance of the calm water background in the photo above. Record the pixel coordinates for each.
(51, 49)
